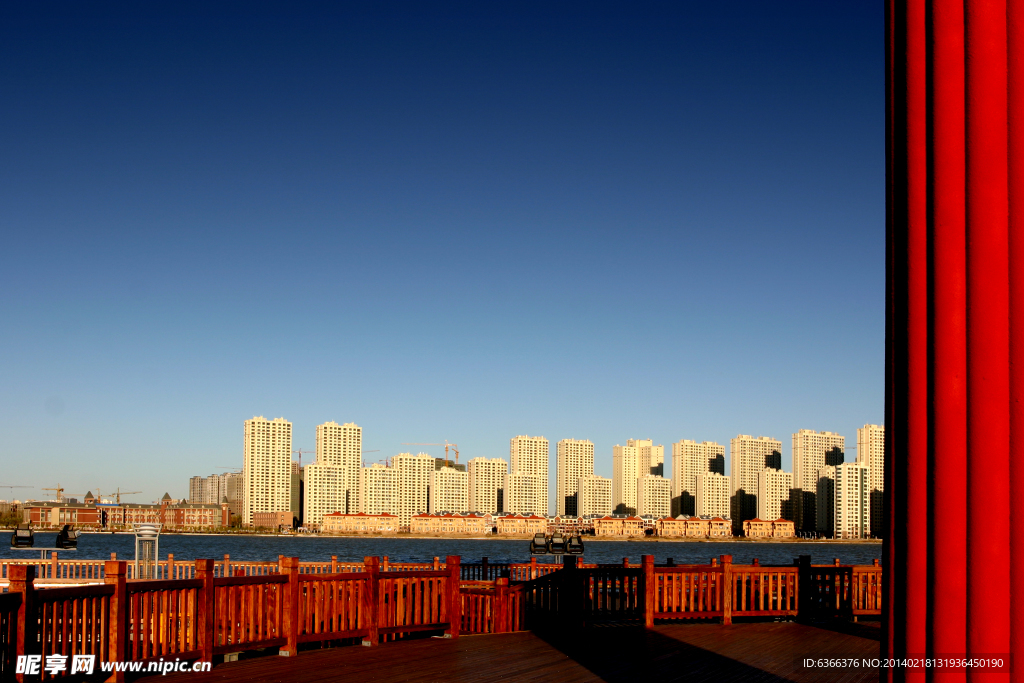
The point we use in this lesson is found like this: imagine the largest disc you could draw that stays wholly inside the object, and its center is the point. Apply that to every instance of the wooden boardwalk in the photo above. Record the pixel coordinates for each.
(673, 652)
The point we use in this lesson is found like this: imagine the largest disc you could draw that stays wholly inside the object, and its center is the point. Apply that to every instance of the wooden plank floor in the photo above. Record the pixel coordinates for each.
(674, 652)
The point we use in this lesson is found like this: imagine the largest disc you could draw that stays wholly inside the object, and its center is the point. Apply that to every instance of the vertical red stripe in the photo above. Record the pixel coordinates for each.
(1015, 146)
(915, 562)
(948, 512)
(988, 307)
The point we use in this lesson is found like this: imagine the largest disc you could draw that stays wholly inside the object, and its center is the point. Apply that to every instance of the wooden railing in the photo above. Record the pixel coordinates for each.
(196, 618)
(492, 608)
(835, 590)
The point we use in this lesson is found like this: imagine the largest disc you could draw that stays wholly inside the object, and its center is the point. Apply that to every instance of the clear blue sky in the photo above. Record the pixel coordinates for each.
(439, 221)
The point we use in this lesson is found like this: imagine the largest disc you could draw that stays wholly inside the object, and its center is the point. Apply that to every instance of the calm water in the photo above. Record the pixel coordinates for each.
(184, 547)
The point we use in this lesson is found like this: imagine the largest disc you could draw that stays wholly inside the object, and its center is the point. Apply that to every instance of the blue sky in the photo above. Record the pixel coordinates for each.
(439, 221)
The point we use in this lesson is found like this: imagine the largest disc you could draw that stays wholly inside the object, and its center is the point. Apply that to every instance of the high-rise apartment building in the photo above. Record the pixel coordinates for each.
(449, 490)
(266, 466)
(528, 455)
(690, 459)
(487, 484)
(712, 494)
(852, 501)
(773, 494)
(595, 495)
(378, 489)
(825, 502)
(412, 474)
(812, 451)
(871, 453)
(331, 484)
(526, 494)
(575, 460)
(637, 458)
(747, 457)
(653, 495)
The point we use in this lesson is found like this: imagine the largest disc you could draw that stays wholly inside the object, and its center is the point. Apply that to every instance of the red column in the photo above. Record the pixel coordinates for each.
(954, 188)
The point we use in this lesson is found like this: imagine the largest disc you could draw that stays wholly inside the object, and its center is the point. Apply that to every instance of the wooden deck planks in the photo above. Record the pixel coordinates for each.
(769, 652)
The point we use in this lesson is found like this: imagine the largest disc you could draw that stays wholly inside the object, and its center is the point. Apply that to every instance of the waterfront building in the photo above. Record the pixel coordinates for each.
(812, 452)
(871, 453)
(575, 460)
(773, 494)
(359, 523)
(595, 495)
(528, 455)
(620, 525)
(327, 491)
(637, 458)
(711, 495)
(825, 502)
(520, 525)
(747, 457)
(653, 496)
(378, 489)
(690, 459)
(412, 476)
(526, 494)
(852, 501)
(274, 520)
(266, 467)
(449, 490)
(448, 523)
(487, 484)
(568, 525)
(332, 482)
(719, 527)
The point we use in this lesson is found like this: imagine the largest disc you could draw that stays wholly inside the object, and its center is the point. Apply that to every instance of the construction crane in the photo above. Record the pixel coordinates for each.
(12, 487)
(60, 493)
(231, 469)
(446, 444)
(120, 493)
(299, 453)
(375, 450)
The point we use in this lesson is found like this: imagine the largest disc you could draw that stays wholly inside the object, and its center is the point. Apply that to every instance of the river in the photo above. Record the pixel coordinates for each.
(187, 547)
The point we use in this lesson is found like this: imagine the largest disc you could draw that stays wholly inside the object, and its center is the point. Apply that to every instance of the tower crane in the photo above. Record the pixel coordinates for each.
(60, 492)
(299, 453)
(446, 444)
(12, 487)
(120, 493)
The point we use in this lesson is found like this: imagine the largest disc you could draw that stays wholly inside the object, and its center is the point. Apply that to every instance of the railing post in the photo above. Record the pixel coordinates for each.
(501, 610)
(483, 569)
(371, 600)
(113, 556)
(334, 564)
(21, 578)
(116, 573)
(170, 567)
(727, 589)
(291, 608)
(206, 610)
(803, 596)
(54, 566)
(453, 564)
(625, 563)
(650, 588)
(227, 566)
(437, 563)
(533, 568)
(385, 565)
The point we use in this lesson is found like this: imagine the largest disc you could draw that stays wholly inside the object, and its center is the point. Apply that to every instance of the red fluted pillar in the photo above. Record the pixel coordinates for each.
(955, 290)
(1015, 183)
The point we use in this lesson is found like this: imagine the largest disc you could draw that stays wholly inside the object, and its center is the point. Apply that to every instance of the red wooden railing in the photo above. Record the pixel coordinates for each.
(492, 607)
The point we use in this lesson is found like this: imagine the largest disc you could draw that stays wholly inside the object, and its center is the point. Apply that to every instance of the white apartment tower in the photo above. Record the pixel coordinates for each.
(378, 489)
(712, 492)
(595, 495)
(449, 490)
(812, 451)
(653, 495)
(773, 487)
(575, 460)
(332, 482)
(639, 457)
(852, 501)
(526, 494)
(528, 455)
(690, 459)
(412, 478)
(747, 457)
(266, 467)
(871, 453)
(486, 484)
